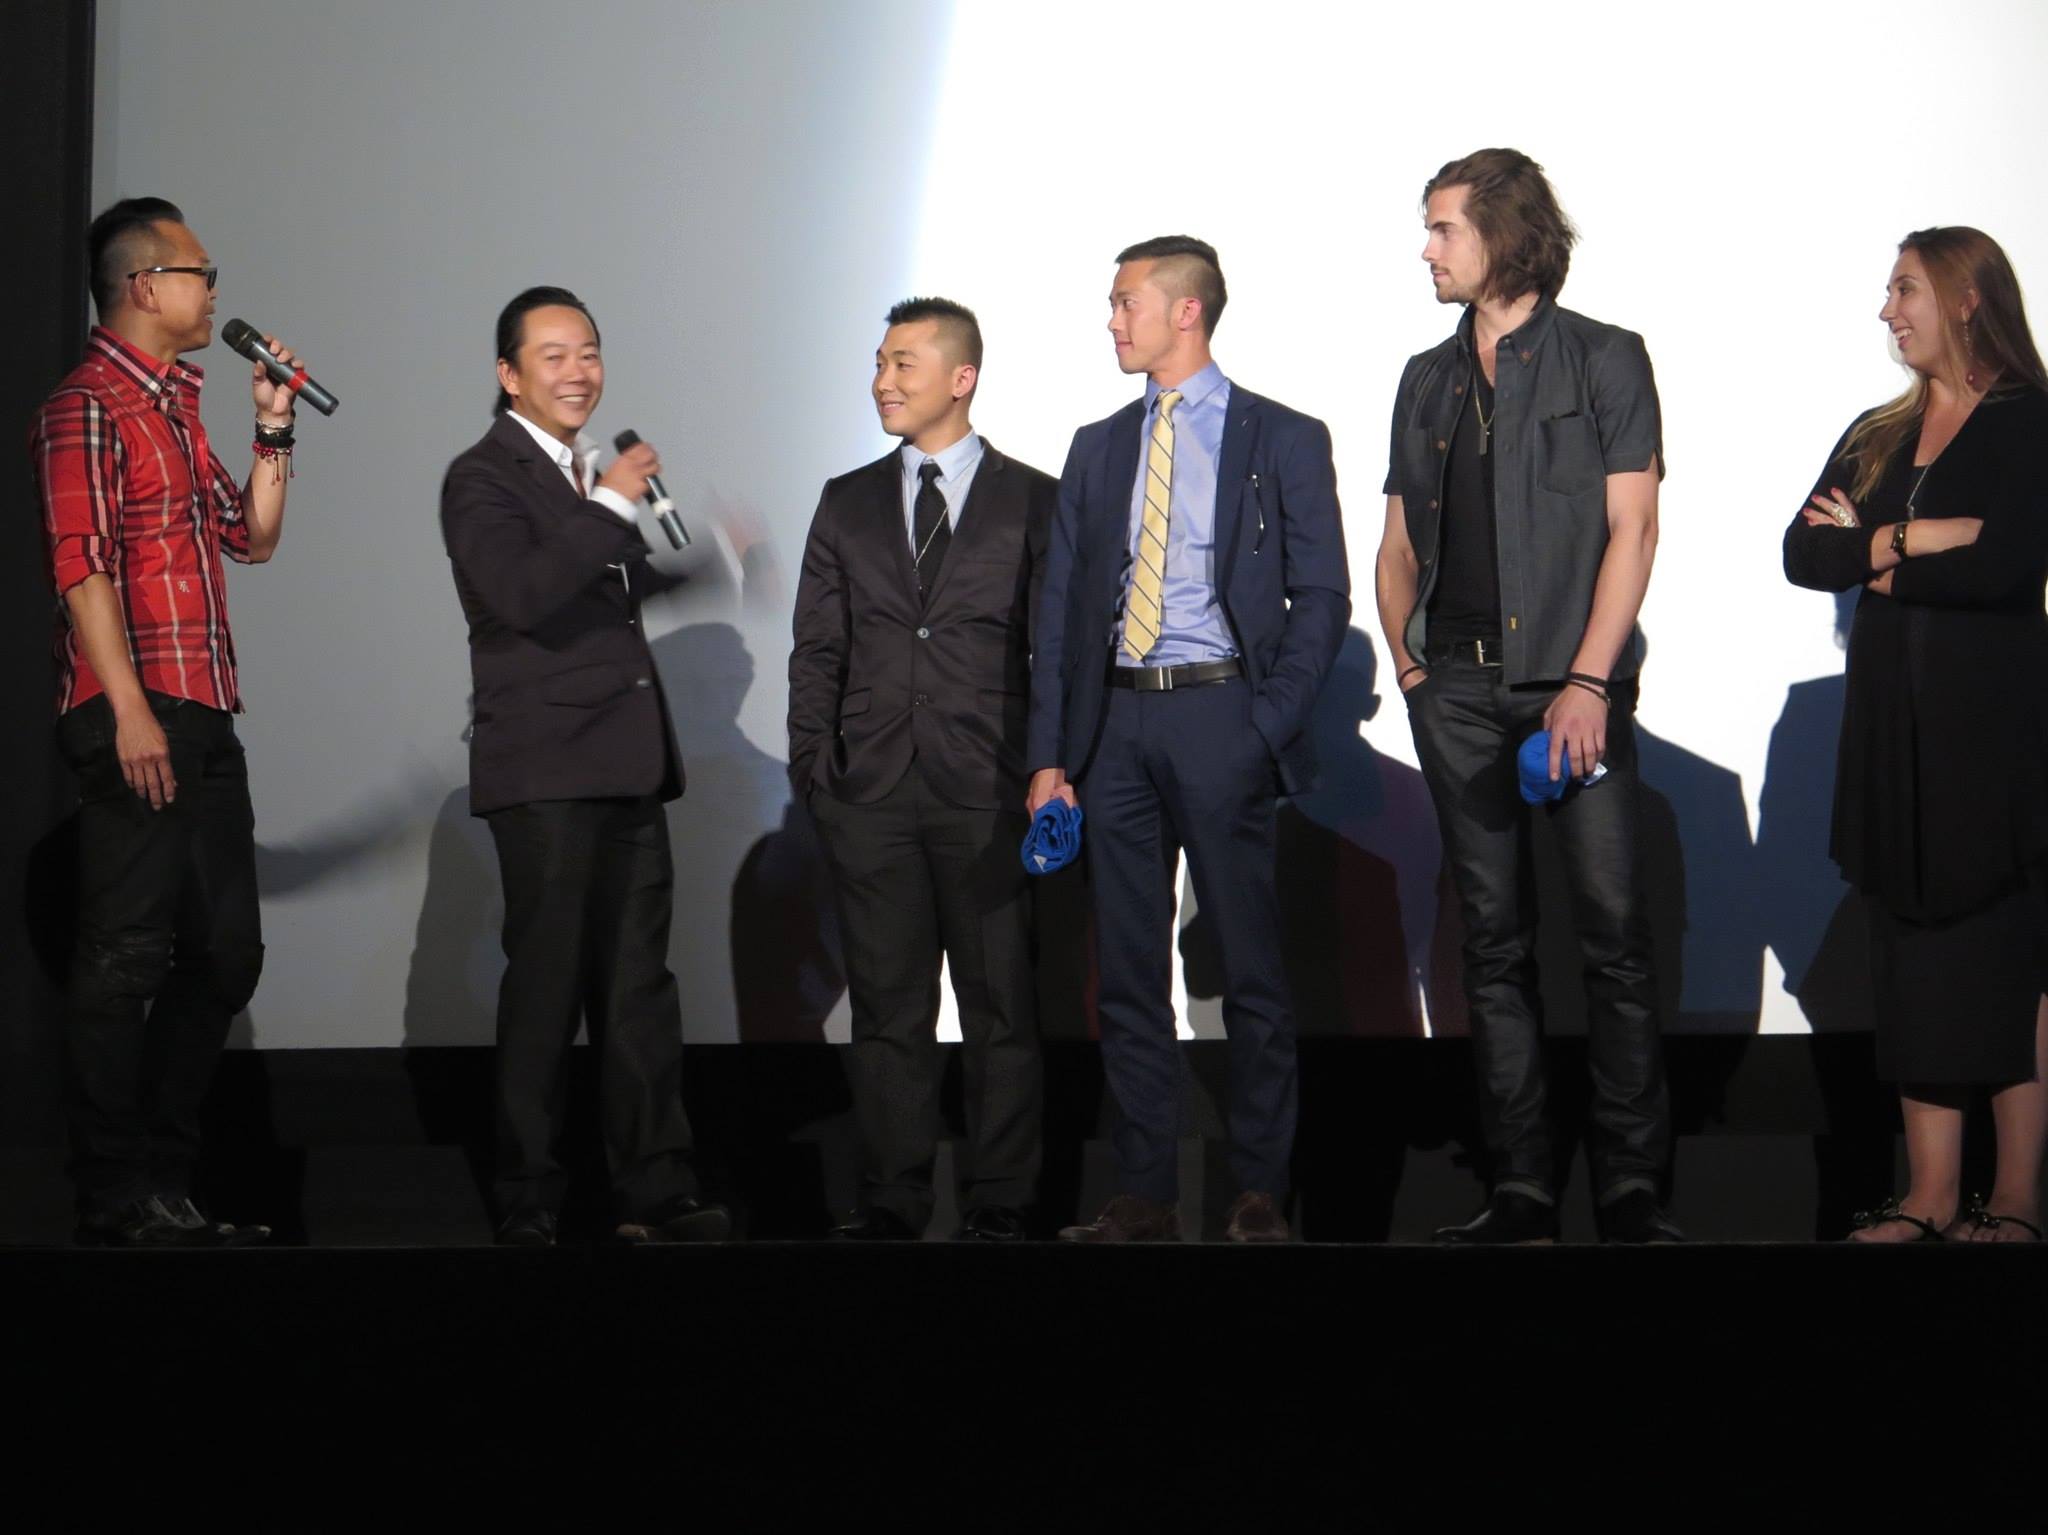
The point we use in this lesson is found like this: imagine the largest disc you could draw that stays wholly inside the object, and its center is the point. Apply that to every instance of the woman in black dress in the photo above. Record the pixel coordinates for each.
(1937, 506)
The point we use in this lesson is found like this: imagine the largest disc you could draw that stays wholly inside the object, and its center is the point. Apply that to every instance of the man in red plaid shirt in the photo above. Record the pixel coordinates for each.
(139, 513)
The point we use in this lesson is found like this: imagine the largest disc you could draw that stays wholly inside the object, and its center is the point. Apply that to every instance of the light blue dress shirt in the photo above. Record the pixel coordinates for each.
(1191, 625)
(956, 474)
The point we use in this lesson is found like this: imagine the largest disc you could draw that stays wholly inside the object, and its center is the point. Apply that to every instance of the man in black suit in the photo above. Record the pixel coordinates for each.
(1196, 595)
(907, 691)
(571, 759)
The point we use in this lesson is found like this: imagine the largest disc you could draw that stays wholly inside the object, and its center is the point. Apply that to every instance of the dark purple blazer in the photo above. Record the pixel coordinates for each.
(568, 704)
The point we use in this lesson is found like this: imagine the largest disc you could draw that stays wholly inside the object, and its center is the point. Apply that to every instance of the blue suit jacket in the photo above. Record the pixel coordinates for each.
(1281, 575)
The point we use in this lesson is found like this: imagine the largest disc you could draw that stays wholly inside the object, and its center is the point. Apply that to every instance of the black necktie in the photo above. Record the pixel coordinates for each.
(930, 532)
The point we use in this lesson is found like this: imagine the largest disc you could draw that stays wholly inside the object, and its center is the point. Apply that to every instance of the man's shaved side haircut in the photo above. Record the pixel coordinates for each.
(124, 239)
(959, 331)
(1187, 268)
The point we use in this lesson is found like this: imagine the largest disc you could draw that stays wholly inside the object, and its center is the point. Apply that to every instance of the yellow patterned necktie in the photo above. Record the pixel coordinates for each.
(1144, 610)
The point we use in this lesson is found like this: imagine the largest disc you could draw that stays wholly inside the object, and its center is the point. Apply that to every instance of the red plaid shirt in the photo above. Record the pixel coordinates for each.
(131, 490)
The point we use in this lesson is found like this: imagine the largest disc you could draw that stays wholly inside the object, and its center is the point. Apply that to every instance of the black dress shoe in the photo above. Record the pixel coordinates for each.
(992, 1223)
(680, 1220)
(1636, 1217)
(527, 1228)
(1511, 1219)
(876, 1225)
(162, 1221)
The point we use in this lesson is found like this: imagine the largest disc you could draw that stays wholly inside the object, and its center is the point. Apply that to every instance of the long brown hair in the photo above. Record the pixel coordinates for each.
(1995, 340)
(1509, 200)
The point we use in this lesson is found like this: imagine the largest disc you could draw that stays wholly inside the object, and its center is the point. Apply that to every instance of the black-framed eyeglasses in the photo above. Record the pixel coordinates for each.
(210, 273)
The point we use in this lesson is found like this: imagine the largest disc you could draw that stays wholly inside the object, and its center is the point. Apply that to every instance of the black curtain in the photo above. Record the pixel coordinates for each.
(46, 123)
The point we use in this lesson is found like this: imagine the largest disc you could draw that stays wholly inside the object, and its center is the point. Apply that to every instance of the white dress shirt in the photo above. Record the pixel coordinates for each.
(586, 453)
(956, 477)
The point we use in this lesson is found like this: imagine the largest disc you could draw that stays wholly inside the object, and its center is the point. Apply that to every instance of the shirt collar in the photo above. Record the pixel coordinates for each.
(1527, 336)
(564, 455)
(953, 462)
(161, 381)
(1195, 389)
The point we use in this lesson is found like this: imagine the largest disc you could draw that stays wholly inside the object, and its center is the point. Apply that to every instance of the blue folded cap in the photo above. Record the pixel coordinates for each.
(1532, 766)
(1054, 840)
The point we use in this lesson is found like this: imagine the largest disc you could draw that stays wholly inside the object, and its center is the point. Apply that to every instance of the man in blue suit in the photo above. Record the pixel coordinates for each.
(1196, 593)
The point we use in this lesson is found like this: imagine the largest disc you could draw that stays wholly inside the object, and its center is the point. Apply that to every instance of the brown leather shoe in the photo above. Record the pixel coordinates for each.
(1127, 1218)
(1256, 1218)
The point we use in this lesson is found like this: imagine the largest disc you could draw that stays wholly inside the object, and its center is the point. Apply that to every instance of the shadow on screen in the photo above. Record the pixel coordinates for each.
(1814, 922)
(755, 944)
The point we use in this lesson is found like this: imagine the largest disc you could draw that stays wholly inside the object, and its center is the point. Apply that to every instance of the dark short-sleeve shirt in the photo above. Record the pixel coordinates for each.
(1465, 604)
(1574, 401)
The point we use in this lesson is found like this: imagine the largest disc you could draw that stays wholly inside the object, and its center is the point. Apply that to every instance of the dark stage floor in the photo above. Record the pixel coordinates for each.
(1201, 1379)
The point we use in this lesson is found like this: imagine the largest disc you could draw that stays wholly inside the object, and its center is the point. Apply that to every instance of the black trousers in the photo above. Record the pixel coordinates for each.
(588, 895)
(1188, 770)
(1468, 726)
(169, 948)
(915, 875)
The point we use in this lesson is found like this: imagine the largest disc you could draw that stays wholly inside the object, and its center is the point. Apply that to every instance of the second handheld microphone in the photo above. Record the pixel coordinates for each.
(657, 496)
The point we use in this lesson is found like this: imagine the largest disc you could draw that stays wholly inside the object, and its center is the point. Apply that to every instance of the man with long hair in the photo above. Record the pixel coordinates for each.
(1521, 524)
(572, 758)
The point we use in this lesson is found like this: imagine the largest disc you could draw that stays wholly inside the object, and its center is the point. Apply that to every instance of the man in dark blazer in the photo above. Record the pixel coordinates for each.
(571, 759)
(1196, 594)
(907, 688)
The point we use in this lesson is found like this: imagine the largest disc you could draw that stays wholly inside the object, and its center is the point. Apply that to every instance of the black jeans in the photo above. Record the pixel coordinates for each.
(1468, 726)
(588, 893)
(915, 876)
(169, 948)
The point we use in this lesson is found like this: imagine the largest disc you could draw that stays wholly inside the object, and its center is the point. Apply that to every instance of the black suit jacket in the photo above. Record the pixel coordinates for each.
(875, 678)
(568, 704)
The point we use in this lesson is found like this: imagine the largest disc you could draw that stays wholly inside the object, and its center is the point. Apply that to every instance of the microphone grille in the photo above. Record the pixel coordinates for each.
(242, 337)
(626, 439)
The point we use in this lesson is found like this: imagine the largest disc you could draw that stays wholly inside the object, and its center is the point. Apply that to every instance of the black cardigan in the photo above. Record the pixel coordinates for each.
(1941, 780)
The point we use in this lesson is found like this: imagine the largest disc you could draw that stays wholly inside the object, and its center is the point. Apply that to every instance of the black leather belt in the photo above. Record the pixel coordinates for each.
(1464, 652)
(1164, 679)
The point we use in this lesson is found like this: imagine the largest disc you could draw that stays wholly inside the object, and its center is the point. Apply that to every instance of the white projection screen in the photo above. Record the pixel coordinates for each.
(739, 191)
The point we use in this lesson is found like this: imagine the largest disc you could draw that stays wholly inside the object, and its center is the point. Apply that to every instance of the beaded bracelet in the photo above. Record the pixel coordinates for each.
(274, 452)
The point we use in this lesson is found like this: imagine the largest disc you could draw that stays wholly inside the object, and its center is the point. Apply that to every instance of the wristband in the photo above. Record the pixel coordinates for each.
(1414, 667)
(1587, 678)
(1574, 681)
(1899, 539)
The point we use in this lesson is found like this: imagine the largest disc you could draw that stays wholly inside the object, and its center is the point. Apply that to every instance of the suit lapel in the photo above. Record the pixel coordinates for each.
(545, 472)
(1233, 470)
(888, 523)
(967, 522)
(1122, 471)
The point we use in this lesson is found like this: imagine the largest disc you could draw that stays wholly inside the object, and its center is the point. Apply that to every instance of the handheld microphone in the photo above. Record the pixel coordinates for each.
(657, 496)
(246, 339)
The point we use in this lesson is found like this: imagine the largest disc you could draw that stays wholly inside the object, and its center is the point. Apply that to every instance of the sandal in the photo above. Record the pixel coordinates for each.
(1980, 1217)
(1865, 1220)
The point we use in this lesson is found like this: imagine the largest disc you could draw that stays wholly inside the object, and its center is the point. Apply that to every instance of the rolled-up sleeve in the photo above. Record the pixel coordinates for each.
(76, 452)
(1624, 393)
(233, 527)
(1403, 403)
